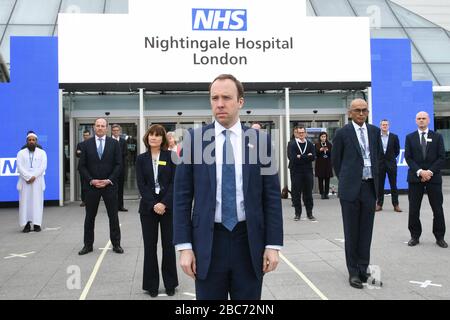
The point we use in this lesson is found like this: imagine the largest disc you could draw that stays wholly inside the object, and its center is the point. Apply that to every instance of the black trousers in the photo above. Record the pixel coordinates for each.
(109, 195)
(358, 217)
(231, 270)
(120, 183)
(302, 184)
(150, 223)
(83, 189)
(324, 185)
(415, 195)
(392, 177)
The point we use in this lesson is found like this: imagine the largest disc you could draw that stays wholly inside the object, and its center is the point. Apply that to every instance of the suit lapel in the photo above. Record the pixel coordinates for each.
(211, 167)
(355, 138)
(245, 159)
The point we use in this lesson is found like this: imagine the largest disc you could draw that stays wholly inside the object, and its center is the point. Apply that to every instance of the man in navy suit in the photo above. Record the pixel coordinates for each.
(232, 236)
(116, 131)
(100, 165)
(425, 155)
(355, 156)
(388, 164)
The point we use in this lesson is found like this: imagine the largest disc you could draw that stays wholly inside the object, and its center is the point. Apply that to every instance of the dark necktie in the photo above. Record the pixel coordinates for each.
(229, 210)
(423, 143)
(100, 148)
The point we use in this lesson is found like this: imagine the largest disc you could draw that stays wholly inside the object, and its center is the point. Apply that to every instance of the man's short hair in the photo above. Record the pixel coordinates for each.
(384, 120)
(86, 131)
(115, 125)
(239, 86)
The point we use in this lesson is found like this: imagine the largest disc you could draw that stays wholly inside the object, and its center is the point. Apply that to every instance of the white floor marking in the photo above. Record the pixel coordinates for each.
(426, 283)
(94, 272)
(304, 278)
(52, 229)
(19, 255)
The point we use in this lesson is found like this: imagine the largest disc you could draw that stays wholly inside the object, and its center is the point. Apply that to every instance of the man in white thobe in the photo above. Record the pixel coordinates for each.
(31, 165)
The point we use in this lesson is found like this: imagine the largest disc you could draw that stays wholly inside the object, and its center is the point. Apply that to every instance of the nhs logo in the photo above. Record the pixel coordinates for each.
(8, 167)
(219, 19)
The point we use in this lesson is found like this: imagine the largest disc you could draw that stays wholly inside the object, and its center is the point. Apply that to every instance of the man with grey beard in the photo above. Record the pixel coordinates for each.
(31, 165)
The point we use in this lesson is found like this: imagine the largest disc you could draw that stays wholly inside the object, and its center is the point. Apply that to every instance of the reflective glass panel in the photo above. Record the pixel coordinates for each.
(410, 19)
(5, 10)
(421, 72)
(433, 44)
(116, 6)
(35, 12)
(309, 9)
(82, 6)
(378, 11)
(388, 33)
(442, 72)
(336, 8)
(30, 30)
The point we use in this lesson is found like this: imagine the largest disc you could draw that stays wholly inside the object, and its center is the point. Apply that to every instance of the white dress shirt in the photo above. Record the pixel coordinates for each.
(420, 142)
(384, 140)
(97, 142)
(367, 161)
(236, 142)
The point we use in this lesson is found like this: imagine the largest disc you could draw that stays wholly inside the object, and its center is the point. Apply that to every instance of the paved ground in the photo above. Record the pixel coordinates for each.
(313, 265)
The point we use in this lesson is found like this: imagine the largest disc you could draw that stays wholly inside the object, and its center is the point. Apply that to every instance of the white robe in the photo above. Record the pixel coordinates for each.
(31, 196)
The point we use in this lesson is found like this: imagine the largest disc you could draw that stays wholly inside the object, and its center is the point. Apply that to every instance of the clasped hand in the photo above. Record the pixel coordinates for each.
(99, 184)
(425, 175)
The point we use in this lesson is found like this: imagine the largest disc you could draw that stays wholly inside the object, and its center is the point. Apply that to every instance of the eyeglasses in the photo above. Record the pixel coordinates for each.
(365, 110)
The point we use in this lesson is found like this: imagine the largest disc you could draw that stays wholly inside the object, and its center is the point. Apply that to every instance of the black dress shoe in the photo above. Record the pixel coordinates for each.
(364, 276)
(441, 243)
(123, 209)
(82, 204)
(85, 250)
(117, 249)
(170, 291)
(355, 282)
(36, 228)
(311, 217)
(413, 242)
(27, 228)
(153, 293)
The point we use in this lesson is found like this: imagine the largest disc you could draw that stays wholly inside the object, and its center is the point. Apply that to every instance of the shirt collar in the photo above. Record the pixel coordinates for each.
(356, 126)
(236, 128)
(102, 137)
(387, 134)
(420, 131)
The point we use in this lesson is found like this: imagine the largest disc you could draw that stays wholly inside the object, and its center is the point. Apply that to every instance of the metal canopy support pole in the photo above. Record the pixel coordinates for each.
(61, 148)
(369, 103)
(141, 120)
(287, 134)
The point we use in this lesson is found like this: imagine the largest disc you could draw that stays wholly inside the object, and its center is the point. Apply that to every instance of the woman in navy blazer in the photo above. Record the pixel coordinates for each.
(156, 208)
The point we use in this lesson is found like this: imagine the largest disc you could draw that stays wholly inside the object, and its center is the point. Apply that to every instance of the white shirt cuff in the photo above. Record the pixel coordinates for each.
(183, 246)
(418, 172)
(274, 247)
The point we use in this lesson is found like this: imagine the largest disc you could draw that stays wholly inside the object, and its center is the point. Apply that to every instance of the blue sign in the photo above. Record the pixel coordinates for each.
(30, 102)
(219, 19)
(396, 97)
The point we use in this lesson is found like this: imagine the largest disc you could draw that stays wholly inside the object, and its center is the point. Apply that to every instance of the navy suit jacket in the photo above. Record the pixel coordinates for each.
(434, 160)
(388, 159)
(348, 161)
(146, 181)
(92, 167)
(195, 181)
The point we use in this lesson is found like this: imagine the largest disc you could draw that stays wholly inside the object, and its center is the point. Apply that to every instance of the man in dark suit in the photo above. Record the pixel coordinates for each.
(301, 154)
(233, 234)
(86, 135)
(355, 156)
(116, 131)
(388, 164)
(425, 155)
(100, 163)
